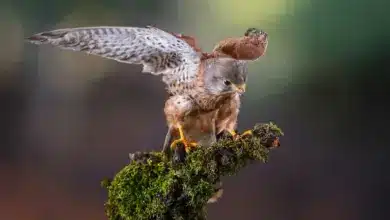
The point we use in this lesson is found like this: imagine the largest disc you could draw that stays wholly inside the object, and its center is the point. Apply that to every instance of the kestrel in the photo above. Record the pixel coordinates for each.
(204, 88)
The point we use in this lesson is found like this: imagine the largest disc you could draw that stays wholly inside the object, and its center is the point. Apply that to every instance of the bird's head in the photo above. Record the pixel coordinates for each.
(225, 76)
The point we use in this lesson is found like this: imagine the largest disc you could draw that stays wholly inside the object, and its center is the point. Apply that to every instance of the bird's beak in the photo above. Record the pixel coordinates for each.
(240, 88)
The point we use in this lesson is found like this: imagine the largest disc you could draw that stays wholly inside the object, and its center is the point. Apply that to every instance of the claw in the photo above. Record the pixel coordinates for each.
(182, 140)
(187, 145)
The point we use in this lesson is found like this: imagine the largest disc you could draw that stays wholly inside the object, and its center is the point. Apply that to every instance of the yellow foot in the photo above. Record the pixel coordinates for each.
(238, 136)
(187, 145)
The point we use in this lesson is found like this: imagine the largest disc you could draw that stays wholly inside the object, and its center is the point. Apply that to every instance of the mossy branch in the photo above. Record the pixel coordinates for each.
(153, 186)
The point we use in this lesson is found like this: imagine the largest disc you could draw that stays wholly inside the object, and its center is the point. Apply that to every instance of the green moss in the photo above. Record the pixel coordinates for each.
(153, 186)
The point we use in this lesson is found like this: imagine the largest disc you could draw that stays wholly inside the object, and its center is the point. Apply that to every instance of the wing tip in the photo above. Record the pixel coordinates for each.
(36, 39)
(45, 37)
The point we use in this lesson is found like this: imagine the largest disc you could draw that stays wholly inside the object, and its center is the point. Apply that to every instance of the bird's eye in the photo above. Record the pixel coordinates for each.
(227, 82)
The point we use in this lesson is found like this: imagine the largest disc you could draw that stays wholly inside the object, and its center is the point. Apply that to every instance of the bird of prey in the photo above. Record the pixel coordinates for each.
(204, 88)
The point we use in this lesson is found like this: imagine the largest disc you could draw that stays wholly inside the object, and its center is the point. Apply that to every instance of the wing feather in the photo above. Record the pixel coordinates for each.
(160, 52)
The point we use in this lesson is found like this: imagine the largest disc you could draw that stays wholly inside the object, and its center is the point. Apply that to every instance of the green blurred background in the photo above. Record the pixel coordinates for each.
(68, 120)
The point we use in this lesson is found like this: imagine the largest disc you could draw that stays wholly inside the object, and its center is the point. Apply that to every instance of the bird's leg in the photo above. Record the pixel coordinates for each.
(187, 145)
(168, 139)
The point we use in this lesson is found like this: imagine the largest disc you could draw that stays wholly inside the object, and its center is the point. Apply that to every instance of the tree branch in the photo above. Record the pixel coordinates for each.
(153, 186)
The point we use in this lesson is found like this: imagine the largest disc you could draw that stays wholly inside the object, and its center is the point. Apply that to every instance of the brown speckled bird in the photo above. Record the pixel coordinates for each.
(204, 88)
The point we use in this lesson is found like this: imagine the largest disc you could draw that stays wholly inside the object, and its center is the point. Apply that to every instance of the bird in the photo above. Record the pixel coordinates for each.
(203, 88)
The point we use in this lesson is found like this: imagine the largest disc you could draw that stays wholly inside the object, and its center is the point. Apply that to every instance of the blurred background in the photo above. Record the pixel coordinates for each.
(68, 120)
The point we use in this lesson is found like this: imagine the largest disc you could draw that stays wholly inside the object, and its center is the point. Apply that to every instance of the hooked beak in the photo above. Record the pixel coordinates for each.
(240, 88)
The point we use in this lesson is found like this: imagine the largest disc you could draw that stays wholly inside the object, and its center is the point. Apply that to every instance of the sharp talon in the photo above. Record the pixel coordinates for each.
(187, 145)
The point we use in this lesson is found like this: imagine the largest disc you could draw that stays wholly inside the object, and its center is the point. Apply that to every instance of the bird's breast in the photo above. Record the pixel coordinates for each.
(200, 127)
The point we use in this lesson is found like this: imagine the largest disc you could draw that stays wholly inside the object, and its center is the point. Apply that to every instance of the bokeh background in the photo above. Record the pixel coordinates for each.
(68, 120)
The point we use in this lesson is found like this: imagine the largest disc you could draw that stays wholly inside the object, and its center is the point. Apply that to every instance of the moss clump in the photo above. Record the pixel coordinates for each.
(153, 186)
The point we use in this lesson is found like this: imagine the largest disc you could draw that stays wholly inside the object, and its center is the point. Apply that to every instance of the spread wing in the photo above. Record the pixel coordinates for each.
(159, 51)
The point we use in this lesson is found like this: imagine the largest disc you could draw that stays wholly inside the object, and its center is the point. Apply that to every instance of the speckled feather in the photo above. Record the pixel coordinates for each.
(160, 52)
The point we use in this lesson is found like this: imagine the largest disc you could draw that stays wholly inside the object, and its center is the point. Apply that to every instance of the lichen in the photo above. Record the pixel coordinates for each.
(156, 187)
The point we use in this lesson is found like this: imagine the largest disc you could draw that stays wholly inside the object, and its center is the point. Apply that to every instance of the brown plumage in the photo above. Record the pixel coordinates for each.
(249, 47)
(202, 114)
